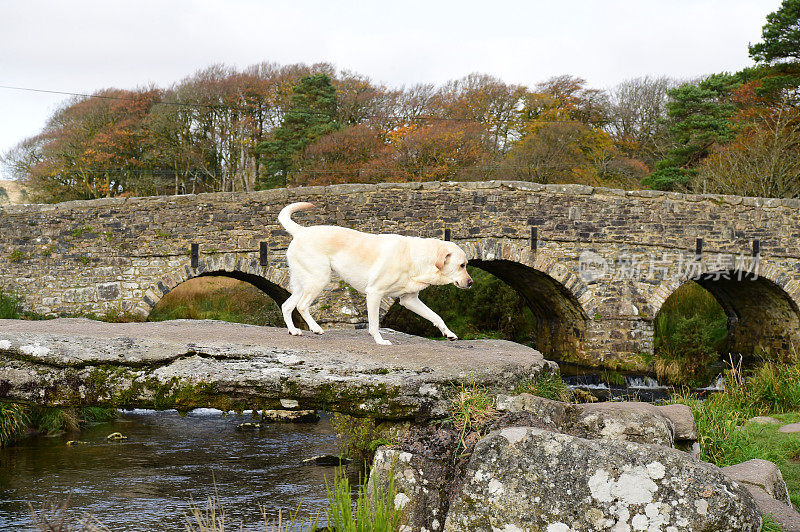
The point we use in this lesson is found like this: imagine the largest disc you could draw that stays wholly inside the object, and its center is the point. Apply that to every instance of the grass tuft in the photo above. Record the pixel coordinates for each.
(18, 420)
(374, 509)
(10, 306)
(14, 421)
(471, 409)
(547, 385)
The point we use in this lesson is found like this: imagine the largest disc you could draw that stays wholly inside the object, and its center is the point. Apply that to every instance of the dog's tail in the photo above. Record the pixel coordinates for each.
(285, 216)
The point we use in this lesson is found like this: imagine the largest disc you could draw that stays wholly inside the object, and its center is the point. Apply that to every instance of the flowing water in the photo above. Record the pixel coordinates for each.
(625, 386)
(146, 483)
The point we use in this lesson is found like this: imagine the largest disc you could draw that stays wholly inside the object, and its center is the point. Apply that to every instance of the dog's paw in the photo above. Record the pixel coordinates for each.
(318, 330)
(295, 332)
(382, 341)
(450, 335)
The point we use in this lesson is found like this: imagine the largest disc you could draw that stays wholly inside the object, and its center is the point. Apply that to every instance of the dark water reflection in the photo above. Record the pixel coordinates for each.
(147, 481)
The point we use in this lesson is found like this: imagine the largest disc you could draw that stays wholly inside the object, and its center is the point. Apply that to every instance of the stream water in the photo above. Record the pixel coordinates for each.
(147, 482)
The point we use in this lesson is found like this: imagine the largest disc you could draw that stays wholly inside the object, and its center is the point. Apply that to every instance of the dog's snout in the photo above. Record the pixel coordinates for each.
(469, 282)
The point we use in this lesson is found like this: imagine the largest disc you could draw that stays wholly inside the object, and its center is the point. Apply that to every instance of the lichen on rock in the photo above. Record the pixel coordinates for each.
(594, 485)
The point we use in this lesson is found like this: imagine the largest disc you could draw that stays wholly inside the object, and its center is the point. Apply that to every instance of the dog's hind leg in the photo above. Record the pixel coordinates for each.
(309, 295)
(288, 306)
(415, 305)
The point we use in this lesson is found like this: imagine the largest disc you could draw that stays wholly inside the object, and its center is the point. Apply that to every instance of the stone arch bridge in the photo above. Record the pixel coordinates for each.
(595, 265)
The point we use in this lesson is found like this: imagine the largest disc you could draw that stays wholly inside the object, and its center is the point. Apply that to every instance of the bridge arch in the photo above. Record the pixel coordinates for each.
(483, 253)
(270, 280)
(763, 307)
(556, 296)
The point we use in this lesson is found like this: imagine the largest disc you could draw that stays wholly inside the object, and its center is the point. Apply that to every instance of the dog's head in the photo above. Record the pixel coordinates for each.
(451, 261)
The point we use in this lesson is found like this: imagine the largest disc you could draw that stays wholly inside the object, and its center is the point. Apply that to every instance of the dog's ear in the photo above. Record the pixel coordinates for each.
(441, 257)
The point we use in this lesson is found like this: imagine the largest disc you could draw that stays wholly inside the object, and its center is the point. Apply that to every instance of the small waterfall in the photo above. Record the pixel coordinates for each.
(717, 386)
(643, 382)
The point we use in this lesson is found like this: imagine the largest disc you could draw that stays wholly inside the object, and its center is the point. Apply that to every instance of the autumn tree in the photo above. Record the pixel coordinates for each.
(440, 150)
(573, 100)
(488, 101)
(763, 160)
(637, 112)
(349, 155)
(91, 148)
(561, 152)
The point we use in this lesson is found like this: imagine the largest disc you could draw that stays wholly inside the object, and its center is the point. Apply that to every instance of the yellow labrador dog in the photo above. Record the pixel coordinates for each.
(375, 265)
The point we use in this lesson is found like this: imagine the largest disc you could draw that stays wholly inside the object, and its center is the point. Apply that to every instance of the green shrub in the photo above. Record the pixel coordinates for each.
(10, 306)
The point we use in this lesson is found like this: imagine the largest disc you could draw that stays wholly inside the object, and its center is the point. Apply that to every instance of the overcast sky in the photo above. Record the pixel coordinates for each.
(82, 46)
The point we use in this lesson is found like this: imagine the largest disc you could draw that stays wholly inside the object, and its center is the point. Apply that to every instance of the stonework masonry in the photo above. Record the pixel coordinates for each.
(594, 264)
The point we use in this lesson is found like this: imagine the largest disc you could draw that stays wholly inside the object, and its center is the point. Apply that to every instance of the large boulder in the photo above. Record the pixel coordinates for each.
(760, 473)
(765, 483)
(670, 425)
(636, 422)
(185, 364)
(422, 469)
(523, 478)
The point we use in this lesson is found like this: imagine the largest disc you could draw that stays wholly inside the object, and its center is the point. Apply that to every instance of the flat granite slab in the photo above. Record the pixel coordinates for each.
(186, 364)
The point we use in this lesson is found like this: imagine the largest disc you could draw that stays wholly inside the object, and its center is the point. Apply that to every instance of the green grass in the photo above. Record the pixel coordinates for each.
(10, 306)
(691, 331)
(17, 420)
(726, 436)
(14, 420)
(547, 385)
(471, 409)
(373, 511)
(768, 524)
(218, 298)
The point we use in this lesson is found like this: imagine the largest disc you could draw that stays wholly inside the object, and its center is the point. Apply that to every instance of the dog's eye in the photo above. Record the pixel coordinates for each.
(463, 265)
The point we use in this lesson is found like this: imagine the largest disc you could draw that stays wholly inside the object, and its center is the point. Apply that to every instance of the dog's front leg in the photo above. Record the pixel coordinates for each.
(414, 304)
(373, 317)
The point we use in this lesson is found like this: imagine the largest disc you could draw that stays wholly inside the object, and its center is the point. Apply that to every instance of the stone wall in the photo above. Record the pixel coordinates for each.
(602, 264)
